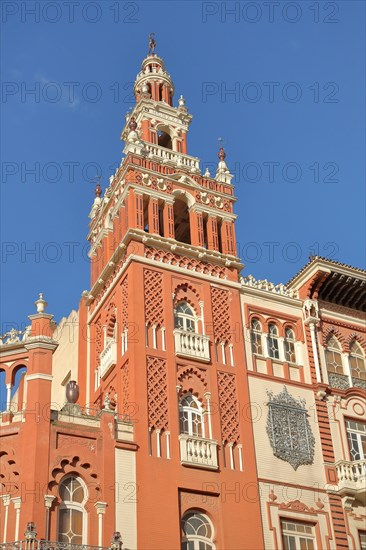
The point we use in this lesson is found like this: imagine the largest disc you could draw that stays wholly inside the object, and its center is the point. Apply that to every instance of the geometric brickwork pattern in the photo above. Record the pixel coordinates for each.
(228, 407)
(220, 313)
(190, 264)
(124, 303)
(157, 398)
(153, 284)
(125, 383)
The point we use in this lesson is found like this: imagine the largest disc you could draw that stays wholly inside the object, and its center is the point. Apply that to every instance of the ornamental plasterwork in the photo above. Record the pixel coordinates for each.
(339, 381)
(289, 430)
(281, 289)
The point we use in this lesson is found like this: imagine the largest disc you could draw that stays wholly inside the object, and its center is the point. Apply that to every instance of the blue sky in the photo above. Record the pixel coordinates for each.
(293, 128)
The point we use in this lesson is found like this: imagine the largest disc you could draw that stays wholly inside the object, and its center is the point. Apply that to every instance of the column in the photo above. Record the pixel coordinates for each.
(315, 351)
(168, 216)
(6, 502)
(48, 499)
(346, 368)
(16, 501)
(8, 396)
(153, 216)
(100, 508)
(207, 396)
(212, 237)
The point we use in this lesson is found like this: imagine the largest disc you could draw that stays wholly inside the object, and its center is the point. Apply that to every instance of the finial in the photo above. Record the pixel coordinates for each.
(132, 124)
(152, 43)
(222, 154)
(181, 101)
(40, 304)
(98, 190)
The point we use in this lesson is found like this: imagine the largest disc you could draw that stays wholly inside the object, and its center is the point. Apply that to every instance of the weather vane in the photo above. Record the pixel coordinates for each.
(152, 43)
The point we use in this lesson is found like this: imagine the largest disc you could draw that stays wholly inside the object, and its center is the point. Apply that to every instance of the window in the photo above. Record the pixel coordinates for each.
(190, 416)
(273, 349)
(185, 318)
(197, 532)
(289, 343)
(71, 512)
(356, 435)
(362, 535)
(297, 536)
(357, 361)
(256, 337)
(333, 356)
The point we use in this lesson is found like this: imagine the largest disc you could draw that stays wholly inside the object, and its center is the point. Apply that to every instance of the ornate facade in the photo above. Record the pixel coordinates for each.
(211, 411)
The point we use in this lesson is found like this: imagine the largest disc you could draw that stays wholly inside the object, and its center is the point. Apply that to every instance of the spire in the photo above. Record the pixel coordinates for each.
(152, 44)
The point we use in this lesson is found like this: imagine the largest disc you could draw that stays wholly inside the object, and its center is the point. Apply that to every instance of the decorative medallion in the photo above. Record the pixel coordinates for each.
(289, 430)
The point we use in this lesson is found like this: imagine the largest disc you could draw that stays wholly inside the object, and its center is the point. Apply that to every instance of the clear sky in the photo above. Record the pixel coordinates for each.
(293, 128)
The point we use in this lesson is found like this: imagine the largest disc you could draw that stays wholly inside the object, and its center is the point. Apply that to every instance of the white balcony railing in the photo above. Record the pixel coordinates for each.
(191, 344)
(197, 451)
(167, 156)
(108, 357)
(352, 478)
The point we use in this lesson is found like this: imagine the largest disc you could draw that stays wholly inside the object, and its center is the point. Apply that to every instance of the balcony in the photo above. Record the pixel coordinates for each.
(108, 357)
(352, 478)
(191, 344)
(198, 452)
(173, 158)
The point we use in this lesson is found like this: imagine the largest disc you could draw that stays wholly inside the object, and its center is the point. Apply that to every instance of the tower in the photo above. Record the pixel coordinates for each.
(164, 333)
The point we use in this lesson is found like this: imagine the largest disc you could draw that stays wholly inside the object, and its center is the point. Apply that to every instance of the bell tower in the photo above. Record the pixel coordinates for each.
(164, 343)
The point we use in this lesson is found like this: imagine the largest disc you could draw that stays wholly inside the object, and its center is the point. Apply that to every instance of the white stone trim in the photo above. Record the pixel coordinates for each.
(38, 376)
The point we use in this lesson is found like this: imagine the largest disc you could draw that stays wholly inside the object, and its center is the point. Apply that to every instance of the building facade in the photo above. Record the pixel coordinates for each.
(211, 411)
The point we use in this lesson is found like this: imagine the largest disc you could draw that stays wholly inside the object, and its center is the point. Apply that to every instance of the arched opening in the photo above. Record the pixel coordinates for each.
(289, 344)
(71, 514)
(197, 532)
(357, 361)
(256, 337)
(184, 318)
(191, 416)
(2, 390)
(164, 139)
(333, 356)
(273, 347)
(182, 230)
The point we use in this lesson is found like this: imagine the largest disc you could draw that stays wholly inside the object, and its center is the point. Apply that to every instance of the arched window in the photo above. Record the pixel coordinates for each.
(71, 515)
(185, 318)
(357, 361)
(289, 344)
(333, 356)
(197, 532)
(256, 337)
(273, 348)
(190, 416)
(182, 230)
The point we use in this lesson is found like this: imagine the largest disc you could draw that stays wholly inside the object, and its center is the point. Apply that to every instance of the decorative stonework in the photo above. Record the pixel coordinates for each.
(359, 383)
(220, 312)
(289, 430)
(339, 381)
(228, 407)
(298, 506)
(153, 287)
(14, 336)
(124, 303)
(190, 264)
(157, 398)
(280, 289)
(125, 381)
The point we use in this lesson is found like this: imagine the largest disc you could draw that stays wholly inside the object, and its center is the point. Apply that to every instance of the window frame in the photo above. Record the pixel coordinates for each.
(359, 355)
(185, 318)
(191, 411)
(360, 436)
(297, 535)
(256, 337)
(330, 349)
(273, 338)
(197, 539)
(71, 505)
(287, 343)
